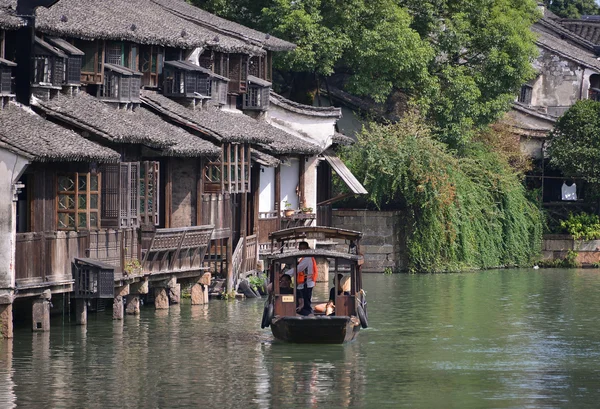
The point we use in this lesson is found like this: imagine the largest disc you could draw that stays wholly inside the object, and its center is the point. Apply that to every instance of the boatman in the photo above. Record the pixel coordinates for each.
(307, 277)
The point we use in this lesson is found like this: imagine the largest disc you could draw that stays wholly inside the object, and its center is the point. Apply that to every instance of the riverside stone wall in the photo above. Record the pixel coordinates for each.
(382, 244)
(556, 246)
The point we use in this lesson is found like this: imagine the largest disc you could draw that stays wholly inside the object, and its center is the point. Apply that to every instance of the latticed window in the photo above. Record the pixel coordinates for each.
(115, 53)
(131, 194)
(111, 85)
(213, 175)
(78, 201)
(236, 176)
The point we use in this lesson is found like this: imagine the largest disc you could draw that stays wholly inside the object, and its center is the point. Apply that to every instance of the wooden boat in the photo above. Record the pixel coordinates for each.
(350, 312)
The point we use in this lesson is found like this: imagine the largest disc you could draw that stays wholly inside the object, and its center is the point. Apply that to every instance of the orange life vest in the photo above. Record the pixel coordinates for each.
(302, 274)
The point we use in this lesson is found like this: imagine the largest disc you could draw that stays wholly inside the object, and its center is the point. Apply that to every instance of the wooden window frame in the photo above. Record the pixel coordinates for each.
(526, 94)
(75, 194)
(149, 203)
(96, 76)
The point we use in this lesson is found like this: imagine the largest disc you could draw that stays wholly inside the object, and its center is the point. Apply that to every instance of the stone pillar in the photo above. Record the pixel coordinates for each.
(161, 300)
(323, 269)
(174, 291)
(200, 290)
(81, 311)
(6, 321)
(197, 294)
(41, 314)
(120, 292)
(133, 304)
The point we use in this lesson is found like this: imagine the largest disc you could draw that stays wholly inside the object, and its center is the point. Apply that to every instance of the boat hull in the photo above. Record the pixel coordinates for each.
(315, 330)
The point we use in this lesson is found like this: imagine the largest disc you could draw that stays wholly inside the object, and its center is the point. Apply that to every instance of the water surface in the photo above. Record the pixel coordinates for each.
(495, 339)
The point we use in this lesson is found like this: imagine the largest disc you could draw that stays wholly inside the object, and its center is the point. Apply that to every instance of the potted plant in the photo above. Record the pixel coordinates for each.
(288, 211)
(307, 210)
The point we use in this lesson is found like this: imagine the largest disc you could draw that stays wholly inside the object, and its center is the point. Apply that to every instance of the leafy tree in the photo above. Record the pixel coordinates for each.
(572, 8)
(460, 61)
(575, 142)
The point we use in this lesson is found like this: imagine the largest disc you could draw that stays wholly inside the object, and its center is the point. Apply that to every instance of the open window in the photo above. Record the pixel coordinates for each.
(130, 197)
(594, 92)
(73, 62)
(526, 94)
(49, 64)
(257, 94)
(91, 62)
(150, 64)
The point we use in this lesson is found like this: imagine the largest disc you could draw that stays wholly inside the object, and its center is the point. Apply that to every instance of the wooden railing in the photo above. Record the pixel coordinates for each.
(178, 249)
(237, 259)
(251, 248)
(245, 256)
(114, 247)
(46, 257)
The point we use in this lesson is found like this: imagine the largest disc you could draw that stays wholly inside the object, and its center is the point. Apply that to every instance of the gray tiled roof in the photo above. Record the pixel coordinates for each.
(140, 21)
(25, 132)
(228, 126)
(565, 49)
(125, 126)
(182, 8)
(309, 110)
(8, 17)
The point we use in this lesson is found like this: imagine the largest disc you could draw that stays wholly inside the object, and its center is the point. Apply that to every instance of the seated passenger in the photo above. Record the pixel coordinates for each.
(285, 285)
(343, 287)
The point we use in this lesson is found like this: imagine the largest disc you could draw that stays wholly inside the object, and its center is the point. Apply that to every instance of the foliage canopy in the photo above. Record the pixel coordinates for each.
(575, 142)
(572, 8)
(460, 61)
(460, 211)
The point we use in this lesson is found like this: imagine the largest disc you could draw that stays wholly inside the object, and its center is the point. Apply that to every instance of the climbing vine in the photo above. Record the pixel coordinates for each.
(461, 211)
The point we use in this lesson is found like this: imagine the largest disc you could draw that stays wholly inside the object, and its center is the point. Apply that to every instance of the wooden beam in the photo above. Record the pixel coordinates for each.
(168, 193)
(199, 191)
(278, 193)
(301, 171)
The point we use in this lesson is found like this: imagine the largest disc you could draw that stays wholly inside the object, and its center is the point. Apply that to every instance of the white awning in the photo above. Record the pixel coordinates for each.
(344, 173)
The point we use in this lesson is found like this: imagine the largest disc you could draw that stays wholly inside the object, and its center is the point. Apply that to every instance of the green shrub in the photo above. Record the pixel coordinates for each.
(460, 211)
(583, 226)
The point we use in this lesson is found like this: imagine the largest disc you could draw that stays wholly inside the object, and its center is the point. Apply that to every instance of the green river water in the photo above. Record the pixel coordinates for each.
(495, 339)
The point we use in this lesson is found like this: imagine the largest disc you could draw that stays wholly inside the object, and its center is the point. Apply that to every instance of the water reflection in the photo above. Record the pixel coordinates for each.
(310, 376)
(511, 338)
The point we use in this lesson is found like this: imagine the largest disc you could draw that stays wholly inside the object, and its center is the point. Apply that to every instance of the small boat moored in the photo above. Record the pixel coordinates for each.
(346, 312)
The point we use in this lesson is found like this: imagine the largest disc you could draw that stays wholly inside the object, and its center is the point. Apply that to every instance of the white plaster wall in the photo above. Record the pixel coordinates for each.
(560, 81)
(290, 172)
(310, 183)
(318, 130)
(266, 198)
(11, 168)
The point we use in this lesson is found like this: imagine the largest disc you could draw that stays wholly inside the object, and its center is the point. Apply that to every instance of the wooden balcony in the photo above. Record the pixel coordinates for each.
(175, 250)
(268, 222)
(44, 260)
(45, 257)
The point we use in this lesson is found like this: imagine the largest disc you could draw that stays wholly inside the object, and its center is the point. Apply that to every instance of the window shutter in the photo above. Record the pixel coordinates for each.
(129, 194)
(110, 206)
(149, 192)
